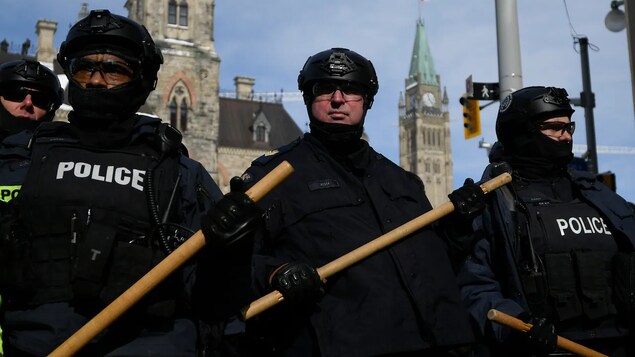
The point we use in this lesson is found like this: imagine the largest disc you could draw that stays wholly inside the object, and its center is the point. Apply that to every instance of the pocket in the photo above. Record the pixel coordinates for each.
(624, 285)
(594, 270)
(562, 286)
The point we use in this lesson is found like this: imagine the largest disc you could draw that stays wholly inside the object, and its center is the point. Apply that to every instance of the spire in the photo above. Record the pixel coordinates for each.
(421, 65)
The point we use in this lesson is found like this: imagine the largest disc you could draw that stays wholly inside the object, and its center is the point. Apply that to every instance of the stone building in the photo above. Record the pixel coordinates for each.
(424, 123)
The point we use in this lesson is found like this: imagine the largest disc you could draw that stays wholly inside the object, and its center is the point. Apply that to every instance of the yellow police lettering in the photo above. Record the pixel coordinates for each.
(7, 193)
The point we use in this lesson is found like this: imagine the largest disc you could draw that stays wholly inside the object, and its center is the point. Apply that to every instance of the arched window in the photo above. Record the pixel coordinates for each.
(172, 12)
(183, 113)
(183, 13)
(179, 103)
(173, 112)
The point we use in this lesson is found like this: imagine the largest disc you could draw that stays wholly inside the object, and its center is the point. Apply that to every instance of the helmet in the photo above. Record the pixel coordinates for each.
(521, 110)
(103, 32)
(32, 74)
(339, 64)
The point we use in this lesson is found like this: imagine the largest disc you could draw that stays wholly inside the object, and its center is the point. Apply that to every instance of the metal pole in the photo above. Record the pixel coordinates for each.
(629, 11)
(510, 76)
(588, 102)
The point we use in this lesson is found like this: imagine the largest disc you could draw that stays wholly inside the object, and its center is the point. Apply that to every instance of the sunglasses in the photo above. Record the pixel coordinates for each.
(39, 99)
(558, 126)
(113, 72)
(350, 91)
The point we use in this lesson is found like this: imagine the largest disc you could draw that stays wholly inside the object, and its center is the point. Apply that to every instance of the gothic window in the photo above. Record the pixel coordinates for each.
(437, 167)
(183, 13)
(427, 166)
(172, 12)
(173, 111)
(183, 113)
(179, 105)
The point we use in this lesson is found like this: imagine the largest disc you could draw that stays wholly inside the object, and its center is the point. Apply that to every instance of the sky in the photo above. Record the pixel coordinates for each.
(270, 41)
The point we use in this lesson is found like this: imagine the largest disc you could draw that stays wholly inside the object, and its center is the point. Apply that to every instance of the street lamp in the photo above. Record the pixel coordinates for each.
(615, 20)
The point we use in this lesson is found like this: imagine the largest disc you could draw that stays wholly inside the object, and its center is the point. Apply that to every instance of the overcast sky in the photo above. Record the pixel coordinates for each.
(270, 40)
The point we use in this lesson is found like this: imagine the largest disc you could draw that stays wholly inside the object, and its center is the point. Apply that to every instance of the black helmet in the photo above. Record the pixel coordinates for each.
(339, 64)
(103, 32)
(521, 110)
(31, 74)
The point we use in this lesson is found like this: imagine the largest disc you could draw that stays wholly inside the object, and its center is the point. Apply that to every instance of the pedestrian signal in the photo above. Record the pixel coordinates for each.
(471, 117)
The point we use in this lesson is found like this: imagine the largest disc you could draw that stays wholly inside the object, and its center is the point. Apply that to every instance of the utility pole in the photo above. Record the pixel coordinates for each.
(510, 75)
(629, 10)
(587, 100)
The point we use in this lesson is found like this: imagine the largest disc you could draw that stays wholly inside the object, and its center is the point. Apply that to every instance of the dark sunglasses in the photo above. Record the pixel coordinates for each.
(558, 126)
(350, 91)
(40, 99)
(113, 72)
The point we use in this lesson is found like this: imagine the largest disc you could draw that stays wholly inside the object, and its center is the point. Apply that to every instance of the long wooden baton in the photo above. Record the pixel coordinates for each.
(379, 243)
(510, 321)
(157, 274)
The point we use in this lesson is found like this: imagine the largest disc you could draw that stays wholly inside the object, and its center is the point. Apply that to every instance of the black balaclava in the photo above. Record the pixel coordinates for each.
(337, 138)
(105, 116)
(10, 124)
(531, 153)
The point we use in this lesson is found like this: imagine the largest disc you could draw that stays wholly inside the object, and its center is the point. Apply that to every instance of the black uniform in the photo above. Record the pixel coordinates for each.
(402, 299)
(86, 234)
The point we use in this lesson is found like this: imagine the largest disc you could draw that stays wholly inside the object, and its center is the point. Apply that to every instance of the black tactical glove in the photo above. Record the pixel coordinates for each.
(299, 283)
(468, 199)
(233, 218)
(541, 339)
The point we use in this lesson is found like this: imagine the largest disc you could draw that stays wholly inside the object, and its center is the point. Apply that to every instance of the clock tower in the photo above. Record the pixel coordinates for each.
(424, 124)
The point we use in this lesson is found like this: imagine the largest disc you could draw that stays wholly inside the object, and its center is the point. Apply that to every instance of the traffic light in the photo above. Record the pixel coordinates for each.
(471, 117)
(608, 178)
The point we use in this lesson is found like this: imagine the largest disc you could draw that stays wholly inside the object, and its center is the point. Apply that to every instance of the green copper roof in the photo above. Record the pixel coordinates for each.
(421, 61)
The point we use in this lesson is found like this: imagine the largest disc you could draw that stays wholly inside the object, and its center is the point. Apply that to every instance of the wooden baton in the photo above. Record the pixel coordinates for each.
(258, 306)
(157, 274)
(517, 324)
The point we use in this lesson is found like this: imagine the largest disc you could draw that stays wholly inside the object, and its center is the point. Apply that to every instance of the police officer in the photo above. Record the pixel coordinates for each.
(342, 195)
(30, 93)
(106, 197)
(555, 245)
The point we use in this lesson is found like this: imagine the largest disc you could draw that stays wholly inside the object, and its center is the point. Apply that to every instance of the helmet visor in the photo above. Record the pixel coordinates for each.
(39, 99)
(324, 90)
(114, 72)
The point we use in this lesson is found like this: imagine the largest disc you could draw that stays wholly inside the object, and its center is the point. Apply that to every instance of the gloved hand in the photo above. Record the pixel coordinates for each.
(468, 199)
(233, 218)
(541, 339)
(297, 282)
(500, 168)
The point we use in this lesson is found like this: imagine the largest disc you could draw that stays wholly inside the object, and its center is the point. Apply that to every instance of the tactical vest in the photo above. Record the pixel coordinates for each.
(88, 230)
(565, 264)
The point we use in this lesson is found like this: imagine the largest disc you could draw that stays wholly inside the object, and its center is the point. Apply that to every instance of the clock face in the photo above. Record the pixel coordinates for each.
(413, 101)
(428, 99)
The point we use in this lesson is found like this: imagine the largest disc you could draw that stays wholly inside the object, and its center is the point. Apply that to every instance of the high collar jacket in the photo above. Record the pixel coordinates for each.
(403, 298)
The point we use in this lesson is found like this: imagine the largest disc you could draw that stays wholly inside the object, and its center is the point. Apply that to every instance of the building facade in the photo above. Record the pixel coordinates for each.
(424, 123)
(187, 89)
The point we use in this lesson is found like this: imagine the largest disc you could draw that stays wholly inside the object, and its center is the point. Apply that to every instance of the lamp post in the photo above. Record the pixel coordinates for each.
(616, 20)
